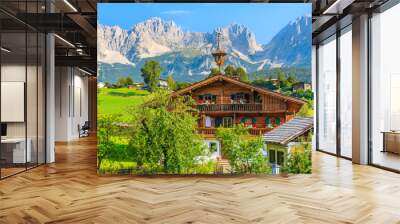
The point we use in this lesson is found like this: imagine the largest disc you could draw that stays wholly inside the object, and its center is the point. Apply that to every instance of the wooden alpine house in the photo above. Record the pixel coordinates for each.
(225, 101)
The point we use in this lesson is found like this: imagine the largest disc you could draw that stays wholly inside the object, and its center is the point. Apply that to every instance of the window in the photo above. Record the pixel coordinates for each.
(278, 121)
(227, 122)
(246, 121)
(327, 95)
(258, 99)
(280, 157)
(385, 88)
(213, 147)
(272, 159)
(268, 122)
(240, 98)
(207, 99)
(276, 157)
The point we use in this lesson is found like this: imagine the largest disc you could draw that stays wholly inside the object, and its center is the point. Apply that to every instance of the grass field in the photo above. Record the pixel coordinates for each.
(117, 101)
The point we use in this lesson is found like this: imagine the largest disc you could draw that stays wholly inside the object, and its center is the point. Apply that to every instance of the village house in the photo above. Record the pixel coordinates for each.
(162, 84)
(301, 86)
(223, 101)
(286, 138)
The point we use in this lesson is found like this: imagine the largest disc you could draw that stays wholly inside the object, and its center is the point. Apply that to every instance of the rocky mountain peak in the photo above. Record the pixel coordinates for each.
(183, 52)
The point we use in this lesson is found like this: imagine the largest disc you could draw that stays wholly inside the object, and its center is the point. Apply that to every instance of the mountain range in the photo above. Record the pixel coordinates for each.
(188, 55)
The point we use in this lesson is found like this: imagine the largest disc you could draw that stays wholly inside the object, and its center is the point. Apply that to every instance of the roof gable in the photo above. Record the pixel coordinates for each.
(217, 78)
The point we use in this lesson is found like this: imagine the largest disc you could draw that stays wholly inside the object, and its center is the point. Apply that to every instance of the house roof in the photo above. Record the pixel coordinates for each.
(289, 130)
(221, 77)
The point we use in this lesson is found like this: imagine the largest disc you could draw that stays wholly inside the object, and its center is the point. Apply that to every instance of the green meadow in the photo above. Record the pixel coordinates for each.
(117, 101)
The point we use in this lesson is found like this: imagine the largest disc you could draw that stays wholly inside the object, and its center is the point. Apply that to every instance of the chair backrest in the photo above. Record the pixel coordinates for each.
(86, 125)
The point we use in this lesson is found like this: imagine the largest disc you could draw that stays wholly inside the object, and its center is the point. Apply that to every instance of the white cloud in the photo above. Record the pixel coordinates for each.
(176, 12)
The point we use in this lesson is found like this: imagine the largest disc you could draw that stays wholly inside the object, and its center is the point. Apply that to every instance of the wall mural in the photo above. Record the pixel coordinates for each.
(201, 88)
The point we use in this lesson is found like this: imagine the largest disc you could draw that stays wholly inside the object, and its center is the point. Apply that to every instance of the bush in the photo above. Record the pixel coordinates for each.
(299, 159)
(244, 155)
(108, 131)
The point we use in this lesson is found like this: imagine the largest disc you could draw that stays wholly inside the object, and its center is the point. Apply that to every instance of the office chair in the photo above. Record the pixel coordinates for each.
(84, 130)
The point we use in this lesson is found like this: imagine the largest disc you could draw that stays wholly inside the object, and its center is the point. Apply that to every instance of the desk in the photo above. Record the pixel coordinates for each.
(391, 141)
(13, 150)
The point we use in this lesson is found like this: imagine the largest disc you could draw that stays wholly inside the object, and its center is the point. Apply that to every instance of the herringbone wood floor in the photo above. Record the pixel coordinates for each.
(70, 191)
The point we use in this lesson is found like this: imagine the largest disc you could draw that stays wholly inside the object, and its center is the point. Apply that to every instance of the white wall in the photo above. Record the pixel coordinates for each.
(16, 73)
(71, 102)
(12, 73)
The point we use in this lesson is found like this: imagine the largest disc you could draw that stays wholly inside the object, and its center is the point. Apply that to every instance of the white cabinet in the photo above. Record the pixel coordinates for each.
(19, 154)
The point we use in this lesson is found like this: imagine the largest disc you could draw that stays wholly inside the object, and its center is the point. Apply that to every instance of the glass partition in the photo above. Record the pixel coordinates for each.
(13, 95)
(327, 96)
(22, 101)
(385, 89)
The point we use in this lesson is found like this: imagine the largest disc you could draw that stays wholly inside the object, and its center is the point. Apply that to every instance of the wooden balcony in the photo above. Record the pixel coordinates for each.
(230, 107)
(252, 131)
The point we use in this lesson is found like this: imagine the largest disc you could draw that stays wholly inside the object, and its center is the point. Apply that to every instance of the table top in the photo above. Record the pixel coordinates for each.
(391, 132)
(13, 140)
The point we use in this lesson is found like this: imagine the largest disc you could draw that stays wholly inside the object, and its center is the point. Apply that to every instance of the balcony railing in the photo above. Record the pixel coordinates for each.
(230, 107)
(252, 131)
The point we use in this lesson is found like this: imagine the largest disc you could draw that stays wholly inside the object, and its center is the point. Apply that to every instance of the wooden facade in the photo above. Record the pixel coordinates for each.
(224, 101)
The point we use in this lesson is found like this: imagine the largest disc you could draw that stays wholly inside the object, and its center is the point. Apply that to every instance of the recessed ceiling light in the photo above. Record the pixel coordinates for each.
(5, 50)
(337, 7)
(86, 72)
(70, 5)
(64, 40)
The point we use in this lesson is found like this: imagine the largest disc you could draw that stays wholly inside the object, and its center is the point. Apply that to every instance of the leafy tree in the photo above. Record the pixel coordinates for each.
(291, 80)
(163, 134)
(120, 83)
(107, 85)
(181, 85)
(171, 82)
(264, 84)
(251, 158)
(281, 78)
(128, 81)
(244, 155)
(242, 74)
(304, 94)
(124, 82)
(151, 71)
(306, 110)
(213, 72)
(230, 70)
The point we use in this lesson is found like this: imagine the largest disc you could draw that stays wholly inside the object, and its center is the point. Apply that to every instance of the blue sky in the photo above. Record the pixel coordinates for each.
(264, 19)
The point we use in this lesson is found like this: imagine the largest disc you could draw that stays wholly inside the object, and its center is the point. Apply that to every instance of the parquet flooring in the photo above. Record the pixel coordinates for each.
(69, 191)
